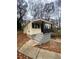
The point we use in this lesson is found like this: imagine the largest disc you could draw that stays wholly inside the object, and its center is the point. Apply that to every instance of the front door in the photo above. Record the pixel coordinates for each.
(42, 27)
(45, 28)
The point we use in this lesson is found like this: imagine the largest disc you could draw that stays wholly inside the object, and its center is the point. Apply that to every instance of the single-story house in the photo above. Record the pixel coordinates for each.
(37, 26)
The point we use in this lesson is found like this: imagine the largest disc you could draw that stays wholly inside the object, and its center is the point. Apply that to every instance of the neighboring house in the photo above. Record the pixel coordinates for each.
(37, 26)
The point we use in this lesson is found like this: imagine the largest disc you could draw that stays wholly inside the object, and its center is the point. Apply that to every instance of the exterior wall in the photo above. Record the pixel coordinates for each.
(34, 30)
(29, 30)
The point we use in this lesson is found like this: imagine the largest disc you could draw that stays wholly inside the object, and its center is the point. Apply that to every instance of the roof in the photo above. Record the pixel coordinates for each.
(41, 20)
(33, 20)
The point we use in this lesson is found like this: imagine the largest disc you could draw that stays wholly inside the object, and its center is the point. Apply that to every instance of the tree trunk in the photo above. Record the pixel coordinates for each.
(19, 21)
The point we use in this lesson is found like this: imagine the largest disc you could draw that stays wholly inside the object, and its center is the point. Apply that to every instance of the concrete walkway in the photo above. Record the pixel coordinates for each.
(36, 53)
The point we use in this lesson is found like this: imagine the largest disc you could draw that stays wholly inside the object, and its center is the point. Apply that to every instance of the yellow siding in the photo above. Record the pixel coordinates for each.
(29, 30)
(34, 31)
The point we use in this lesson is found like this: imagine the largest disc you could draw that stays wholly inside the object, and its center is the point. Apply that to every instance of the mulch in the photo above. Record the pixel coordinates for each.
(51, 46)
(22, 56)
(21, 39)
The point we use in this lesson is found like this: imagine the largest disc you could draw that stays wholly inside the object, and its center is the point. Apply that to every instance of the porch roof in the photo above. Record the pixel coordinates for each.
(41, 20)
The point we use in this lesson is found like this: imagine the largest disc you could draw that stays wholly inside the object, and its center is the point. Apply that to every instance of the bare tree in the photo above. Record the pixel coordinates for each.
(21, 10)
(48, 9)
(37, 10)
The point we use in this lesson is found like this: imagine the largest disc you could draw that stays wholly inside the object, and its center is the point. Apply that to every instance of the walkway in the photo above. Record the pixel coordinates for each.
(36, 53)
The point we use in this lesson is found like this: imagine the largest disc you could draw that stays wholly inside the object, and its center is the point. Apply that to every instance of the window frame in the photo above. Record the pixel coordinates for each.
(36, 26)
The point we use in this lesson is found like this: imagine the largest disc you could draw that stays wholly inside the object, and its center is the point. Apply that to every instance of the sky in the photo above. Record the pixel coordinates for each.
(54, 15)
(43, 0)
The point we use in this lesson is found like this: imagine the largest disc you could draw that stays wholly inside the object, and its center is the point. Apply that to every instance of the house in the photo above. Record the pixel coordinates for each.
(37, 26)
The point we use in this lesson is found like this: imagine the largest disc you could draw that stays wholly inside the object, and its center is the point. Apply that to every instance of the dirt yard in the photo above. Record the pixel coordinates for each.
(22, 56)
(21, 39)
(53, 45)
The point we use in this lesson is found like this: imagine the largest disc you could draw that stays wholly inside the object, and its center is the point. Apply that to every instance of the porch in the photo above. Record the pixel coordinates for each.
(43, 25)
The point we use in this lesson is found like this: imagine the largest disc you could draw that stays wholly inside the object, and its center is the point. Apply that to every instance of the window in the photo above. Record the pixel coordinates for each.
(35, 25)
(47, 26)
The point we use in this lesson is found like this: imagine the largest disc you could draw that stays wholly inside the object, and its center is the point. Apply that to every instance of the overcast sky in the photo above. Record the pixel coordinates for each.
(55, 15)
(43, 0)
